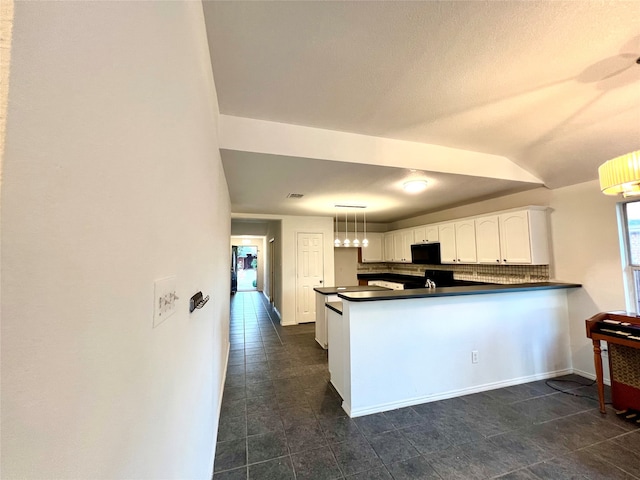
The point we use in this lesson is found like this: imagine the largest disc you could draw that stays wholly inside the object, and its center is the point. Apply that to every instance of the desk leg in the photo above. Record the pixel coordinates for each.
(597, 360)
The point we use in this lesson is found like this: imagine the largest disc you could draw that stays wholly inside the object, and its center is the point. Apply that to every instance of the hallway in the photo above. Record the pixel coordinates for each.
(281, 419)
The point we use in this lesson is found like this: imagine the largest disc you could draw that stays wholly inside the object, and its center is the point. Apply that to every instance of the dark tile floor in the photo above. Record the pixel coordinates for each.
(281, 419)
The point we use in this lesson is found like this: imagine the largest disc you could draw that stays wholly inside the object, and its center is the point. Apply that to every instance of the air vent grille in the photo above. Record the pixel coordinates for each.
(295, 195)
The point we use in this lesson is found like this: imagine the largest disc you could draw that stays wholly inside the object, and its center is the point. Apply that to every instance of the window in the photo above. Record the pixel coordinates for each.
(631, 218)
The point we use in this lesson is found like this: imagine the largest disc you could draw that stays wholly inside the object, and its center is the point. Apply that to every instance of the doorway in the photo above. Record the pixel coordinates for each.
(247, 268)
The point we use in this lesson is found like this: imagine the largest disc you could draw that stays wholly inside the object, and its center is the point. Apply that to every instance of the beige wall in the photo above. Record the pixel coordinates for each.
(110, 174)
(537, 196)
(346, 266)
(586, 250)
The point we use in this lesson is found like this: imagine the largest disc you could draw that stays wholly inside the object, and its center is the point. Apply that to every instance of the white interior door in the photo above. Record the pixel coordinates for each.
(310, 268)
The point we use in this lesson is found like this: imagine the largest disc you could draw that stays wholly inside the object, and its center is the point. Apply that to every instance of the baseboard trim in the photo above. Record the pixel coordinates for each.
(590, 376)
(358, 412)
(224, 380)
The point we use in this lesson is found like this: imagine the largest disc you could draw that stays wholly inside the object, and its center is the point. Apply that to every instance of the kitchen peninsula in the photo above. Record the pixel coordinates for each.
(397, 348)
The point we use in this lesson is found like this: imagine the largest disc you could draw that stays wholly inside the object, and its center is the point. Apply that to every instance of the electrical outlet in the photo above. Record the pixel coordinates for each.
(474, 356)
(164, 299)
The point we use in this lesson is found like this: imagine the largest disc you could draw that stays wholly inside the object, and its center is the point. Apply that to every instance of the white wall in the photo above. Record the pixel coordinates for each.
(519, 337)
(112, 179)
(586, 250)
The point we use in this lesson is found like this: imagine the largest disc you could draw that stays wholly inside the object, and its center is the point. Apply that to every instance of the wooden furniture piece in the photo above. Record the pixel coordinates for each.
(621, 331)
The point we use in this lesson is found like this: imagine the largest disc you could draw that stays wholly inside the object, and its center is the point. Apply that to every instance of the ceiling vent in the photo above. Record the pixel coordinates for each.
(295, 195)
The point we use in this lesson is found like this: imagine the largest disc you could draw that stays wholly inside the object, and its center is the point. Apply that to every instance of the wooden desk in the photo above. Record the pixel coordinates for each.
(621, 330)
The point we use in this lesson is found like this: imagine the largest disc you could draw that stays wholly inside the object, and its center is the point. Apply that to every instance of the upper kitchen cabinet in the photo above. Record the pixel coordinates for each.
(425, 233)
(375, 251)
(524, 237)
(488, 239)
(466, 241)
(397, 246)
(388, 247)
(513, 238)
(458, 242)
(402, 241)
(447, 235)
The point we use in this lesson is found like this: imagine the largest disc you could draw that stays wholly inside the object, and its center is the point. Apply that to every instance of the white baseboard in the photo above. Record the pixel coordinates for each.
(590, 376)
(451, 394)
(224, 379)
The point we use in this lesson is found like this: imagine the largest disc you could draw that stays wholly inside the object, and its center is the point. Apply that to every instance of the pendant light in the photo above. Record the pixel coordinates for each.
(356, 242)
(336, 242)
(346, 242)
(365, 242)
(621, 175)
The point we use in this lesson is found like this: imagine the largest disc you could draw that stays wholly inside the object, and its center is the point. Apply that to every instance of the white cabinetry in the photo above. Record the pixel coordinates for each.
(524, 238)
(425, 233)
(375, 251)
(488, 239)
(397, 246)
(512, 237)
(388, 247)
(517, 238)
(458, 242)
(466, 241)
(447, 235)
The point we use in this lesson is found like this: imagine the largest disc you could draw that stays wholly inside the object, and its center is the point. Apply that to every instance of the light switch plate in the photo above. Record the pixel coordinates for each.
(164, 299)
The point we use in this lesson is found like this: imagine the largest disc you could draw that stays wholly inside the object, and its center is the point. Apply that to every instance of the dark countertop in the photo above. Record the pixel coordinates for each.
(352, 288)
(364, 296)
(335, 306)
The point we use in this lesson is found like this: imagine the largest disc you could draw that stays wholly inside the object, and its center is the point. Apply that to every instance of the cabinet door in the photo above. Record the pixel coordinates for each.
(373, 252)
(466, 241)
(388, 247)
(432, 233)
(488, 240)
(398, 250)
(514, 237)
(420, 234)
(407, 240)
(447, 235)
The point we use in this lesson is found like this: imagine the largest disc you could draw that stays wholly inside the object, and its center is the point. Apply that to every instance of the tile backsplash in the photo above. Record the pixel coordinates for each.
(505, 274)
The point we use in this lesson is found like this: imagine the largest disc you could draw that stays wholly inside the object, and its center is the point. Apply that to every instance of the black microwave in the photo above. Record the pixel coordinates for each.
(426, 253)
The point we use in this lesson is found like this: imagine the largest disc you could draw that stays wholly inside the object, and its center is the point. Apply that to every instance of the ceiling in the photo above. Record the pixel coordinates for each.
(553, 86)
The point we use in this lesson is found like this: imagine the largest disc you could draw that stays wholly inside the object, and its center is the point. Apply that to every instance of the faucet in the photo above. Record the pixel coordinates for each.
(430, 283)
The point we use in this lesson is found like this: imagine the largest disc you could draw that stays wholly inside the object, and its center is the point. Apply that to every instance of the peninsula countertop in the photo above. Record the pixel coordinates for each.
(365, 294)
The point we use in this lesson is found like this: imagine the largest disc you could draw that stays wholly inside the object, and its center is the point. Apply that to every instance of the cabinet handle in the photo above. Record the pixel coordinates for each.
(454, 259)
(505, 260)
(458, 259)
(498, 260)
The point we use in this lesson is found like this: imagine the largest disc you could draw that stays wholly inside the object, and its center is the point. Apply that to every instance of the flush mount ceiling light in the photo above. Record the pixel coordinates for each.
(621, 175)
(414, 186)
